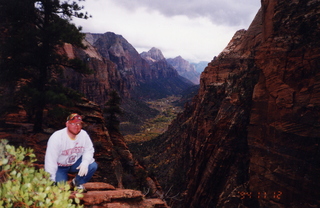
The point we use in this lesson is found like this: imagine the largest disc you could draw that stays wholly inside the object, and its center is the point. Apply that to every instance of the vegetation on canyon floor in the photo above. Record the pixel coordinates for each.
(159, 124)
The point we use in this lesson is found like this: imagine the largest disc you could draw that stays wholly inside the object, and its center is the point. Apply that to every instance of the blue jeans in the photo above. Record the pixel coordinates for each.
(62, 172)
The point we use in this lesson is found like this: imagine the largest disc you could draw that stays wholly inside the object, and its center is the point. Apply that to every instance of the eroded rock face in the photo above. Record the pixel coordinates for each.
(105, 77)
(284, 127)
(250, 138)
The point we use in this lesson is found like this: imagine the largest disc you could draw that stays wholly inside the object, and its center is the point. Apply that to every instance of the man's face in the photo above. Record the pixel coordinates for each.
(74, 128)
(74, 124)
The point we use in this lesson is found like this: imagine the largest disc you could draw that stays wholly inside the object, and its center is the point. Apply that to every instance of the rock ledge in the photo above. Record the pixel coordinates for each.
(100, 195)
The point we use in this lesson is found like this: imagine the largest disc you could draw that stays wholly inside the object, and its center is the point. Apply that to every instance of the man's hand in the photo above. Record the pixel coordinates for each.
(83, 169)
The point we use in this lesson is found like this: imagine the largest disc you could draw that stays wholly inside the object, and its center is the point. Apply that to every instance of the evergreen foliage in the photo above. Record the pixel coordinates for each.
(22, 185)
(32, 33)
(112, 110)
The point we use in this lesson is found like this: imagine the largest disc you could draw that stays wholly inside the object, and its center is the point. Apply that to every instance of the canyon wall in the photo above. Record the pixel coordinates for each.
(250, 137)
(116, 65)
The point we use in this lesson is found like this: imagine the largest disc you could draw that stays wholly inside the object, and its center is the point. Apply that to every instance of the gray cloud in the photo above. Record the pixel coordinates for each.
(227, 12)
(194, 39)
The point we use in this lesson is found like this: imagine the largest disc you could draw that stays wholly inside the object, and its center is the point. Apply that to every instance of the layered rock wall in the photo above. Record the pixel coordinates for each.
(250, 138)
(283, 134)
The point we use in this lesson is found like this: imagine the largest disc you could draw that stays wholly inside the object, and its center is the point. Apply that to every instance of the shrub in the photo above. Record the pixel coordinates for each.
(22, 185)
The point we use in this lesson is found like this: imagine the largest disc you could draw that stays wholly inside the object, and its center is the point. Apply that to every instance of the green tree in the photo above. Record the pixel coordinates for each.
(112, 110)
(32, 34)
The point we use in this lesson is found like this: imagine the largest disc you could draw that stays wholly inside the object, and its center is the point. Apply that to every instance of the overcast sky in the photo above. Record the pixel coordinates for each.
(197, 30)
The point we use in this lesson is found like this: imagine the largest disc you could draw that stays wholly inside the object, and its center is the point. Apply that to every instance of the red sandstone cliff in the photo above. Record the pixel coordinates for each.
(250, 138)
(98, 85)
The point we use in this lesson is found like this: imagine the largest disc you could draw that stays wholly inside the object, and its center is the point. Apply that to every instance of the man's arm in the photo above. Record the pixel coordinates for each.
(87, 156)
(51, 157)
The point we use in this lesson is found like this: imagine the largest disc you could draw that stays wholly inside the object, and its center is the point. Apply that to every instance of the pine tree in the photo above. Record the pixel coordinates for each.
(32, 31)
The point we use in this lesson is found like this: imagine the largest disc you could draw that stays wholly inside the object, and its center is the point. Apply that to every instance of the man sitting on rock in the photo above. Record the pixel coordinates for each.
(70, 150)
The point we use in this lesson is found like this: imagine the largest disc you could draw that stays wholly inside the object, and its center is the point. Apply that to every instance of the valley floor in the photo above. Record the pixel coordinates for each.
(158, 125)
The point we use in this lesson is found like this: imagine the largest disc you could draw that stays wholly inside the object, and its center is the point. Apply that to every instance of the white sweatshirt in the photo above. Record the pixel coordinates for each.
(63, 151)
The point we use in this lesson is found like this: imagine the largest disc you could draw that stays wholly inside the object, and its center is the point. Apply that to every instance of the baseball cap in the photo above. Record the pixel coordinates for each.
(74, 118)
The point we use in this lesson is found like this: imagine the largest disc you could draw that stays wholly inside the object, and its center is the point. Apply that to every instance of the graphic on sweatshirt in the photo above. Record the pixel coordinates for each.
(72, 159)
(71, 155)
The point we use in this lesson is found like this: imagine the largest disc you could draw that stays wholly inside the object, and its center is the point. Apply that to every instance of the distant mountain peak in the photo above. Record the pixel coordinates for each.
(185, 69)
(153, 55)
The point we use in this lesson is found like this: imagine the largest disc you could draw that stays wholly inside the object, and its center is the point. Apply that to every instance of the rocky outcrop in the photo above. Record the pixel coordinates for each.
(250, 138)
(105, 195)
(185, 69)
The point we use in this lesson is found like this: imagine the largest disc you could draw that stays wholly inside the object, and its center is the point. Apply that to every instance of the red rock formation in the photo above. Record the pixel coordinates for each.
(250, 138)
(104, 195)
(283, 133)
(97, 85)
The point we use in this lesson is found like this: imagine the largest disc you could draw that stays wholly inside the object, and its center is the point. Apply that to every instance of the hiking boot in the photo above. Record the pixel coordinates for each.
(79, 187)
